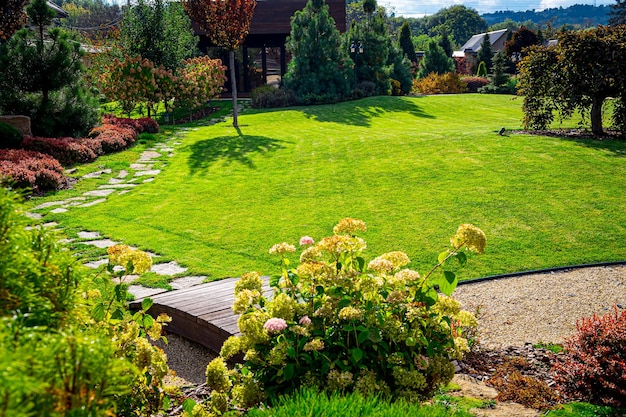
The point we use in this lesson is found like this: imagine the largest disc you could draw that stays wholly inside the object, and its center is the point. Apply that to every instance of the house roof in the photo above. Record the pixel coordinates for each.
(473, 45)
(59, 11)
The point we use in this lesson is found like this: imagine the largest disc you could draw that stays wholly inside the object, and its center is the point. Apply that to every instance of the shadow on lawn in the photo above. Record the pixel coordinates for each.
(361, 112)
(230, 149)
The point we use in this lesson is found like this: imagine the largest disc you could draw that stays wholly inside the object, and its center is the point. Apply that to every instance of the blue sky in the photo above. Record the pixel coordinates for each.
(418, 8)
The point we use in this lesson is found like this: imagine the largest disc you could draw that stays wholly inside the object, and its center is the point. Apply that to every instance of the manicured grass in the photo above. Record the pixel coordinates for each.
(412, 168)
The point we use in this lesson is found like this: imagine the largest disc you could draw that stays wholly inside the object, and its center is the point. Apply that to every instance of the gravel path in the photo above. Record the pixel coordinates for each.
(542, 307)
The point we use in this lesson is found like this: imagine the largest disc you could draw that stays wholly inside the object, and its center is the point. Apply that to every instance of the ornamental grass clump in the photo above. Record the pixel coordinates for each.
(339, 323)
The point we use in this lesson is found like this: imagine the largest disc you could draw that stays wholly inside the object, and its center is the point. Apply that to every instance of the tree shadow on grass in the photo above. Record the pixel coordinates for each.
(234, 148)
(612, 141)
(361, 112)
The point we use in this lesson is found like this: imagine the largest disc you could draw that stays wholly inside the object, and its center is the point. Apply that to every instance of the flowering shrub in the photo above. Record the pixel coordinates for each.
(448, 83)
(68, 151)
(594, 364)
(340, 323)
(201, 80)
(29, 169)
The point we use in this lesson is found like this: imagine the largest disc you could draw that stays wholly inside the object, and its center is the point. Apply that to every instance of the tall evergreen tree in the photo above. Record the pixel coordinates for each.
(435, 60)
(499, 76)
(406, 43)
(617, 15)
(485, 54)
(319, 71)
(444, 41)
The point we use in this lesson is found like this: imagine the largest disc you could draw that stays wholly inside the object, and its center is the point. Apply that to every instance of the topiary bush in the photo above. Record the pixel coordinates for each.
(338, 323)
(10, 137)
(474, 83)
(68, 151)
(593, 367)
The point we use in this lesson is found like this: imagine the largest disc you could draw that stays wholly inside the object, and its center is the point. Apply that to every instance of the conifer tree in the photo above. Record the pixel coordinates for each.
(444, 41)
(320, 69)
(406, 43)
(435, 60)
(485, 54)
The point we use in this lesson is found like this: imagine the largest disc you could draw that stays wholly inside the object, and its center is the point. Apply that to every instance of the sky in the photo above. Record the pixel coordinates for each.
(419, 8)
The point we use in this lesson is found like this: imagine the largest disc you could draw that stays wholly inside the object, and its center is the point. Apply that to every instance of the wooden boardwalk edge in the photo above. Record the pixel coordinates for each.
(202, 313)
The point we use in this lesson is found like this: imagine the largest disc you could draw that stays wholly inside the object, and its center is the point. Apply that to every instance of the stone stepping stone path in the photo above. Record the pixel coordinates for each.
(144, 170)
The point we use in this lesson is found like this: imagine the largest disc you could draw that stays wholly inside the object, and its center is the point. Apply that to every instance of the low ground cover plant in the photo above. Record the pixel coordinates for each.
(337, 323)
(30, 169)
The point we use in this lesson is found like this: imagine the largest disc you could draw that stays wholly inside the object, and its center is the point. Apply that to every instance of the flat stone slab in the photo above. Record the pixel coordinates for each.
(49, 204)
(169, 268)
(148, 180)
(94, 202)
(151, 172)
(124, 192)
(97, 264)
(126, 279)
(140, 292)
(148, 156)
(116, 186)
(123, 174)
(116, 181)
(101, 243)
(97, 174)
(186, 282)
(99, 193)
(34, 216)
(58, 210)
(140, 167)
(88, 235)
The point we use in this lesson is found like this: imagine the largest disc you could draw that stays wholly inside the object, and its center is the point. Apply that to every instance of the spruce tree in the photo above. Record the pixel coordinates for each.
(617, 15)
(485, 54)
(499, 77)
(444, 41)
(406, 43)
(320, 69)
(435, 60)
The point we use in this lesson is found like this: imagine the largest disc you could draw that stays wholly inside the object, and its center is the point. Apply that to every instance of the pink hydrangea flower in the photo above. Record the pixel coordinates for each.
(305, 321)
(275, 325)
(306, 240)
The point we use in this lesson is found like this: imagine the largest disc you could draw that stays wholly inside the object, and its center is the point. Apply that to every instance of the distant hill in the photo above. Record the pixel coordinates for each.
(583, 15)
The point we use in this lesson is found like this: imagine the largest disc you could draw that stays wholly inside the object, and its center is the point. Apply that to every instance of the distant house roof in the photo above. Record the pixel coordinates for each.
(475, 42)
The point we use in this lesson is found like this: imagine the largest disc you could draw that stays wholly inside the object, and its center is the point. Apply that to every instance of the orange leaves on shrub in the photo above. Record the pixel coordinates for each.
(12, 17)
(594, 364)
(225, 22)
(448, 83)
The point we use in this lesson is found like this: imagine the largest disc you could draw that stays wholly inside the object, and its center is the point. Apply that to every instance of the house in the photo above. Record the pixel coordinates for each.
(59, 11)
(263, 58)
(470, 49)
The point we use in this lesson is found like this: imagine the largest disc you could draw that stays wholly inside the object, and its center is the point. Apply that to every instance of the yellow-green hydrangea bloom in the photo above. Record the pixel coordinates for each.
(349, 226)
(471, 237)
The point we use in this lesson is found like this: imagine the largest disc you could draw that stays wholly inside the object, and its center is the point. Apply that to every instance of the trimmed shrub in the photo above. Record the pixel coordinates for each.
(594, 365)
(114, 138)
(448, 83)
(474, 83)
(68, 151)
(29, 169)
(364, 89)
(482, 69)
(10, 137)
(266, 97)
(144, 124)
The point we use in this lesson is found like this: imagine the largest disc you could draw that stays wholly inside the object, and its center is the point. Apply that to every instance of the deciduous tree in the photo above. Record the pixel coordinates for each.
(460, 21)
(226, 23)
(579, 74)
(521, 39)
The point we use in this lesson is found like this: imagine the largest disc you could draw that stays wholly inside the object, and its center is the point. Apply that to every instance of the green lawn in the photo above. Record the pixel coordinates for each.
(412, 168)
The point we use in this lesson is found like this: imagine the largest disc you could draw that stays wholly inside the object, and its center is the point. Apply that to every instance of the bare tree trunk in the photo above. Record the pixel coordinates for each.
(596, 116)
(233, 86)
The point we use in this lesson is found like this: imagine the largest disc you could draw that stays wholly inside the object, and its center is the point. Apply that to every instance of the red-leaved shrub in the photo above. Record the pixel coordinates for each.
(594, 364)
(144, 124)
(474, 83)
(31, 169)
(114, 138)
(68, 151)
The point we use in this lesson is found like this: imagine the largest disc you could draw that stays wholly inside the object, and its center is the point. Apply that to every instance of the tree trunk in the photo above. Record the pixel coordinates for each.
(233, 86)
(596, 116)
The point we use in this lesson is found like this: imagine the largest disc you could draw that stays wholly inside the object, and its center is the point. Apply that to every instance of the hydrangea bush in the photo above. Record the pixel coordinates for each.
(340, 323)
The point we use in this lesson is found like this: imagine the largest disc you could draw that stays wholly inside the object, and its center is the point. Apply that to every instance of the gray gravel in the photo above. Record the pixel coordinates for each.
(188, 359)
(542, 307)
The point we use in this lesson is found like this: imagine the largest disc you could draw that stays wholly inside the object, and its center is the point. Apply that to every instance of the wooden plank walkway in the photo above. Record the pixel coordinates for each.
(202, 313)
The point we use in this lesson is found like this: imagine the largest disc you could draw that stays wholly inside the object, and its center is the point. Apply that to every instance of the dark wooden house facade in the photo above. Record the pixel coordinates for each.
(262, 59)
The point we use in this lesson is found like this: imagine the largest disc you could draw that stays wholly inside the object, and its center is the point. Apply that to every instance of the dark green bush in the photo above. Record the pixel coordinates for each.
(364, 89)
(269, 97)
(10, 137)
